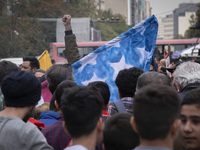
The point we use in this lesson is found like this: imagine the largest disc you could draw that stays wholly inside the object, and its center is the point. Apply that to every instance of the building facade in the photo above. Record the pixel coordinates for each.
(183, 23)
(133, 11)
(184, 7)
(166, 27)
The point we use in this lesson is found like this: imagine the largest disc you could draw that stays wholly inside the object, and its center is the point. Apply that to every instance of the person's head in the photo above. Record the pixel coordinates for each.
(118, 133)
(162, 62)
(39, 73)
(190, 119)
(103, 89)
(21, 89)
(30, 64)
(157, 60)
(58, 73)
(126, 81)
(156, 111)
(7, 67)
(186, 73)
(60, 89)
(152, 77)
(53, 61)
(40, 109)
(85, 103)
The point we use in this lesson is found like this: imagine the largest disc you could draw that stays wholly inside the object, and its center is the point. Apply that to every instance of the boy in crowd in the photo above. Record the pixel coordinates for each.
(22, 91)
(118, 133)
(105, 92)
(190, 119)
(126, 81)
(156, 111)
(85, 125)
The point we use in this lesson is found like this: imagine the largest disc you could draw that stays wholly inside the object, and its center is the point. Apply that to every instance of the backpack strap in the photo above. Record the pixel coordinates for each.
(120, 106)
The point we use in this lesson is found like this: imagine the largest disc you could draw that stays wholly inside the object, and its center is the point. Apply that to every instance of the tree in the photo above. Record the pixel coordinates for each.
(194, 30)
(110, 30)
(21, 32)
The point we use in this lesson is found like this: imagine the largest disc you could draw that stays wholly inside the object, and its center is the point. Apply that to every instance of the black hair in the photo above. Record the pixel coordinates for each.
(82, 108)
(192, 98)
(103, 89)
(53, 61)
(118, 133)
(60, 89)
(7, 67)
(126, 81)
(34, 63)
(155, 108)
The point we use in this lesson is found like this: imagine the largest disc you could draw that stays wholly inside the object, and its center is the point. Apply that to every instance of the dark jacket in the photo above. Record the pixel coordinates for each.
(71, 49)
(188, 88)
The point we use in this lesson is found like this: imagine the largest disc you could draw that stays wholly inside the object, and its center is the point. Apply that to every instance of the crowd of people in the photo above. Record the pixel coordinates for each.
(45, 110)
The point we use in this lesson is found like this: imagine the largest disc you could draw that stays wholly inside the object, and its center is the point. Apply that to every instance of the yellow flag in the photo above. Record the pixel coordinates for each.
(45, 60)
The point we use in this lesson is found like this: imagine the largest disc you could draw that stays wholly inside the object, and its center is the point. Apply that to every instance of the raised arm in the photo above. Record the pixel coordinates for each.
(71, 48)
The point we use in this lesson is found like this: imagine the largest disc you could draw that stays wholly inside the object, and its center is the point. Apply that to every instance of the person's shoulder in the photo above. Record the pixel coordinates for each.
(112, 109)
(76, 147)
(16, 126)
(150, 148)
(12, 122)
(54, 126)
(112, 104)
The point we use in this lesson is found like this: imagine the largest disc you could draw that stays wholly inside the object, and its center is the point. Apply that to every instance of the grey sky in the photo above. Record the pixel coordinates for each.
(162, 8)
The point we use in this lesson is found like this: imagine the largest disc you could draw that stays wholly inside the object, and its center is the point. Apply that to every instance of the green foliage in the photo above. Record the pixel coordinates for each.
(194, 21)
(23, 35)
(110, 30)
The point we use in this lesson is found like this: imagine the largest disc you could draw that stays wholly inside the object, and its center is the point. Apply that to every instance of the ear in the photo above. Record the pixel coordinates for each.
(100, 125)
(34, 69)
(133, 124)
(56, 104)
(65, 128)
(175, 127)
(119, 93)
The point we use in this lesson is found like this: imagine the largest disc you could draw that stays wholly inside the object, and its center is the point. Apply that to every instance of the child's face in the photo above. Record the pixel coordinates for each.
(190, 126)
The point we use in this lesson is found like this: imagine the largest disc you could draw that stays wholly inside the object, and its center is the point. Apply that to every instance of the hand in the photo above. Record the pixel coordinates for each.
(66, 20)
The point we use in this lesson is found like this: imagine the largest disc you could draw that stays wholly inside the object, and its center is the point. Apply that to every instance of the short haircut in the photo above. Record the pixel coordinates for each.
(33, 62)
(39, 70)
(155, 108)
(187, 73)
(58, 73)
(118, 133)
(60, 89)
(192, 98)
(104, 90)
(152, 77)
(126, 81)
(82, 108)
(7, 67)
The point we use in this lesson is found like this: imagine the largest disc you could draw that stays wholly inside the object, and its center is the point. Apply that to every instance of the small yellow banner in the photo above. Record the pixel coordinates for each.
(45, 60)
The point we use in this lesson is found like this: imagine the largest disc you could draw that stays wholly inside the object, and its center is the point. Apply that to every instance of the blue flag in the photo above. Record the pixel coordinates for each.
(133, 48)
